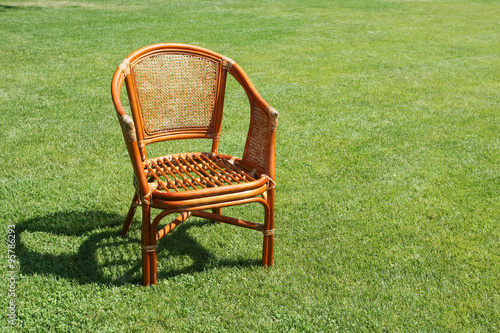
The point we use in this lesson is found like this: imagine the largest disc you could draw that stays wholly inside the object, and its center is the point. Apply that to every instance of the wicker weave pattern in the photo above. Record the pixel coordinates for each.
(176, 91)
(256, 150)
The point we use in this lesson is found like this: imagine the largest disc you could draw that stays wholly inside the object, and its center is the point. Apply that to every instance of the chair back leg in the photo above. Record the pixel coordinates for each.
(130, 215)
(217, 211)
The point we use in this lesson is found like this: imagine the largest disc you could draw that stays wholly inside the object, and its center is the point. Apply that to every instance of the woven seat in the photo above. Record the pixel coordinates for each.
(176, 91)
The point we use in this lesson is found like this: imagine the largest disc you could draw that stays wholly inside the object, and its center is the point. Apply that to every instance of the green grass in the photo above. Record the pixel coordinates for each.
(388, 169)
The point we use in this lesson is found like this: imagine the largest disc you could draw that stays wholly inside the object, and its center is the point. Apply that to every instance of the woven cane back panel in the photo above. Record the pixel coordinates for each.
(176, 91)
(256, 150)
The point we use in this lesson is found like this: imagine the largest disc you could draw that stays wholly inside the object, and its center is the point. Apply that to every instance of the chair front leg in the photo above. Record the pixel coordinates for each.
(270, 260)
(148, 239)
(268, 246)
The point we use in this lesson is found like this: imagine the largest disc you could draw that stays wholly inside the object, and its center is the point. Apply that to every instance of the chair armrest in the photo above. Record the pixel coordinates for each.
(261, 140)
(129, 134)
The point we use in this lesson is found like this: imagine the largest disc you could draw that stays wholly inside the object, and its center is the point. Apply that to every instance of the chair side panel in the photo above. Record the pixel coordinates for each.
(256, 146)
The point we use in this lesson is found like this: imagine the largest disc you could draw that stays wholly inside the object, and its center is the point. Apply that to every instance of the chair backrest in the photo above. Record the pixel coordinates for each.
(175, 91)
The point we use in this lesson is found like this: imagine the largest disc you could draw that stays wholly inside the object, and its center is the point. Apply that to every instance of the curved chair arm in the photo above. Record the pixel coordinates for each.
(116, 85)
(261, 140)
(129, 133)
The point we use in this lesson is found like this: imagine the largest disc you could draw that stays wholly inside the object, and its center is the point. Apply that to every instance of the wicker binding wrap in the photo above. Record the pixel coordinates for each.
(176, 91)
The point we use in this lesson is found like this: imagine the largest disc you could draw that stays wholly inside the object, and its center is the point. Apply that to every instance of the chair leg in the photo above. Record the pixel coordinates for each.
(153, 266)
(130, 215)
(217, 211)
(148, 240)
(265, 251)
(268, 246)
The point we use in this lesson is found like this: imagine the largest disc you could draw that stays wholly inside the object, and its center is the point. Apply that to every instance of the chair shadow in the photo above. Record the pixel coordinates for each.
(103, 256)
(17, 6)
(4, 8)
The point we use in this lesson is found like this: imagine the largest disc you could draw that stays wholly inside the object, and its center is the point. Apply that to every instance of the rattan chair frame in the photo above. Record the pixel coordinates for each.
(189, 184)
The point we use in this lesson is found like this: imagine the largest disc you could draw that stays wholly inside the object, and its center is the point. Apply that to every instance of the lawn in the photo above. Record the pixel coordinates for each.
(388, 169)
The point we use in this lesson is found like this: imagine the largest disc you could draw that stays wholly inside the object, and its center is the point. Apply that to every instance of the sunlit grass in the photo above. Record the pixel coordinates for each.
(387, 211)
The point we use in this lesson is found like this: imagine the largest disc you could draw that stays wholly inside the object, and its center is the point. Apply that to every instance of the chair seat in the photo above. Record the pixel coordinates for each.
(179, 179)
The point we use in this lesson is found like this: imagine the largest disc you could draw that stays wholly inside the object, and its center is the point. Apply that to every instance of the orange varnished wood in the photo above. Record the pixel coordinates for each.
(229, 220)
(189, 183)
(169, 227)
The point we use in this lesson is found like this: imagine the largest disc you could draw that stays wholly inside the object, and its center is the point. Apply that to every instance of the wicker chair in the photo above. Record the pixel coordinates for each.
(176, 91)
